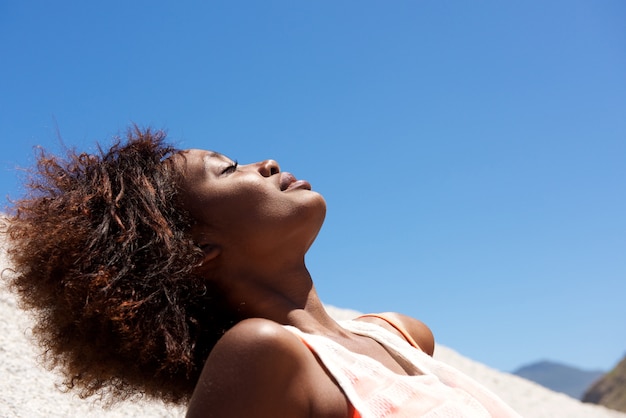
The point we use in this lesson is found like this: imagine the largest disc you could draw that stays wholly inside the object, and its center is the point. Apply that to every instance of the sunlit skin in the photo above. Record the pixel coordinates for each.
(255, 224)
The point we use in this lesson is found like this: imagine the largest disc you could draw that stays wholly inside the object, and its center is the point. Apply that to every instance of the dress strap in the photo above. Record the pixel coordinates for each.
(352, 411)
(396, 325)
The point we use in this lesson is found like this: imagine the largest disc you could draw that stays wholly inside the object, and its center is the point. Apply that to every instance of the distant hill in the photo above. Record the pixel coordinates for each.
(610, 390)
(560, 377)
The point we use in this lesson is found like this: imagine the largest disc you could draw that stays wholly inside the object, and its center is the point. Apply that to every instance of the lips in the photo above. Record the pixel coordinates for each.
(289, 182)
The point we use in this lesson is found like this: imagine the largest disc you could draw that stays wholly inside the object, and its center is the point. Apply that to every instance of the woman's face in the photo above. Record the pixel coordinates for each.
(255, 207)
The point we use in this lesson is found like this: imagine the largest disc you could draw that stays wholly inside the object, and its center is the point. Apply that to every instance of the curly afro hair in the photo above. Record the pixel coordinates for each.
(101, 254)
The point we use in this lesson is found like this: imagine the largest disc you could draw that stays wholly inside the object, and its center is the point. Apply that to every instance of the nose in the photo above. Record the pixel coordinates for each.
(268, 168)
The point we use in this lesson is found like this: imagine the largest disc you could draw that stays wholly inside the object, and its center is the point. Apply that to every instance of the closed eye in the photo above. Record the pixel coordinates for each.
(231, 168)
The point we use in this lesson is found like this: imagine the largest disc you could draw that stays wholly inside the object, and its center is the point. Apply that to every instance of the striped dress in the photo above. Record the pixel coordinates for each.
(432, 388)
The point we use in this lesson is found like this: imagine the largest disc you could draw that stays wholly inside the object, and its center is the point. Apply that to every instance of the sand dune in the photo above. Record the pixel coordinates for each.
(28, 391)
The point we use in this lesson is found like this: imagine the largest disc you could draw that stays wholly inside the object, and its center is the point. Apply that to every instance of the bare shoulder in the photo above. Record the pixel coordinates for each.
(256, 334)
(419, 331)
(250, 373)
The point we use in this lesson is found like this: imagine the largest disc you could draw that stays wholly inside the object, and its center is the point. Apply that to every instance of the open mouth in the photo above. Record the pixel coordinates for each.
(289, 182)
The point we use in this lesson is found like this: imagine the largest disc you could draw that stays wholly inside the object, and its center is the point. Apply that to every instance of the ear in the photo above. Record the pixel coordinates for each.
(211, 252)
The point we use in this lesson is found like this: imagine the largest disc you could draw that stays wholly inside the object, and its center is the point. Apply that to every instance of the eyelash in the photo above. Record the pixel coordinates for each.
(231, 168)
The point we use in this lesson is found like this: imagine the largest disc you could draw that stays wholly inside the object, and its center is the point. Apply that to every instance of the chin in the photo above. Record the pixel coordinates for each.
(321, 215)
(321, 209)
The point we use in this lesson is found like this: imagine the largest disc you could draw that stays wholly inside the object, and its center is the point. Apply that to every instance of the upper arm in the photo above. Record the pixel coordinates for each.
(419, 331)
(253, 371)
(422, 335)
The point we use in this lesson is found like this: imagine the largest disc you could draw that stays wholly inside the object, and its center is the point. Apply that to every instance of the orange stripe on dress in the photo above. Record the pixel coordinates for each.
(353, 413)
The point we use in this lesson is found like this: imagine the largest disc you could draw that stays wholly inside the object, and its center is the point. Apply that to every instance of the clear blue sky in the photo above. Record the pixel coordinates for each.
(472, 154)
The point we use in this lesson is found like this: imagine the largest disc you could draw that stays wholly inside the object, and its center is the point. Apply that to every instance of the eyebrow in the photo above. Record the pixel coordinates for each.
(213, 154)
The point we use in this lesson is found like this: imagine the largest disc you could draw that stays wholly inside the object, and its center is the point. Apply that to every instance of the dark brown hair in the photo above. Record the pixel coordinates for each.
(101, 254)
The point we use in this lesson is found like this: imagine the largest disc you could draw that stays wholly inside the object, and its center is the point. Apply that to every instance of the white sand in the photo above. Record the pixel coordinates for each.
(28, 391)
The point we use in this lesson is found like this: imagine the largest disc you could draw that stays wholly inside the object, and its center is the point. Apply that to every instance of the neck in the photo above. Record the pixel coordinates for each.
(286, 296)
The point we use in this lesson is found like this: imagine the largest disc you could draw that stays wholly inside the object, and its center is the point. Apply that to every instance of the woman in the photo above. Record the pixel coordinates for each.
(181, 275)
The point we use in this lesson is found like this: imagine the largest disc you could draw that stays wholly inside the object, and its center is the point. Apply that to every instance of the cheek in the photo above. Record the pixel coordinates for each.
(253, 205)
(244, 205)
